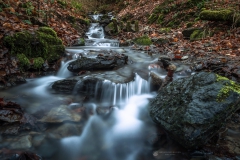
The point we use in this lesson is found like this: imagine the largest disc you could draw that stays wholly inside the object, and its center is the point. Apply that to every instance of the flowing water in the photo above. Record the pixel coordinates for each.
(117, 126)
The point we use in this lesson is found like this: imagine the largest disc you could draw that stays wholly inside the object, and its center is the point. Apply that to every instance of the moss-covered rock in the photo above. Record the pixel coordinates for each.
(43, 43)
(38, 62)
(197, 34)
(136, 26)
(47, 30)
(216, 15)
(189, 31)
(144, 40)
(128, 26)
(23, 61)
(229, 86)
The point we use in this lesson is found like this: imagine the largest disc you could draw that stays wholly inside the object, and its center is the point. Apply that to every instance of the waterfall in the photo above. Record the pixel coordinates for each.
(63, 71)
(120, 93)
(96, 36)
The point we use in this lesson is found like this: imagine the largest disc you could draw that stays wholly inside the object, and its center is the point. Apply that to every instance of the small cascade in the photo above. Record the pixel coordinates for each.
(120, 136)
(63, 71)
(109, 93)
(95, 31)
(96, 36)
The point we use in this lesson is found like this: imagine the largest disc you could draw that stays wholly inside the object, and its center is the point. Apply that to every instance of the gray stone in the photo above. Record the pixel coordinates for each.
(98, 63)
(86, 84)
(156, 79)
(191, 110)
(61, 114)
(23, 142)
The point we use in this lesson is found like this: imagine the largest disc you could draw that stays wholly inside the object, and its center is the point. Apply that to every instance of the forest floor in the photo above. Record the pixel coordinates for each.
(219, 52)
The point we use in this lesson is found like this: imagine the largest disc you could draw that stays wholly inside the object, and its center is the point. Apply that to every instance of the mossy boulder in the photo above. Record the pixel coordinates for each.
(43, 43)
(144, 40)
(216, 15)
(189, 31)
(193, 109)
(196, 35)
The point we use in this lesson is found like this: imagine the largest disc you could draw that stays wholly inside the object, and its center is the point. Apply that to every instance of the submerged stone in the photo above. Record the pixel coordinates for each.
(60, 114)
(190, 109)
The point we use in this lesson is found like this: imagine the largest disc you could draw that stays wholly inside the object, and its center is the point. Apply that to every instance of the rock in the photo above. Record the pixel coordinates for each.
(187, 32)
(60, 114)
(86, 84)
(184, 58)
(100, 62)
(65, 86)
(156, 79)
(217, 15)
(193, 109)
(23, 142)
(66, 130)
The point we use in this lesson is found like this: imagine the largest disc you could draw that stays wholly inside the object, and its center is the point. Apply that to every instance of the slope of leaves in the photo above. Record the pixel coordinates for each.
(16, 15)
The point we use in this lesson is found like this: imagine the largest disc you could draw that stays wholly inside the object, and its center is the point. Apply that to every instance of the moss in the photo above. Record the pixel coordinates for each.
(229, 86)
(160, 19)
(48, 31)
(128, 26)
(197, 34)
(144, 40)
(23, 61)
(115, 25)
(216, 15)
(43, 43)
(165, 30)
(136, 26)
(38, 62)
(152, 18)
(63, 4)
(189, 24)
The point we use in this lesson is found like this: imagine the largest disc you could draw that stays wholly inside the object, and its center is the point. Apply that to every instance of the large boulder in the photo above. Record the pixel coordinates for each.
(193, 109)
(101, 62)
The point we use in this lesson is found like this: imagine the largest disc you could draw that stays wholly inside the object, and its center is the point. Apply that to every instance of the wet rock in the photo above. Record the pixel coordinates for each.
(65, 86)
(86, 84)
(156, 79)
(101, 62)
(65, 130)
(193, 109)
(60, 114)
(13, 119)
(23, 142)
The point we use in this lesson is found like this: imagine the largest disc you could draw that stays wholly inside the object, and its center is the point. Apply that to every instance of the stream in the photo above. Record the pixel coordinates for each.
(115, 124)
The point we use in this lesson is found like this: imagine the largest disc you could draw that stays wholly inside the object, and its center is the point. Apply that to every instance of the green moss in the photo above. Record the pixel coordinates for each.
(128, 26)
(38, 62)
(43, 43)
(48, 31)
(136, 26)
(189, 24)
(63, 4)
(216, 15)
(229, 86)
(144, 40)
(152, 18)
(23, 61)
(165, 30)
(197, 34)
(160, 19)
